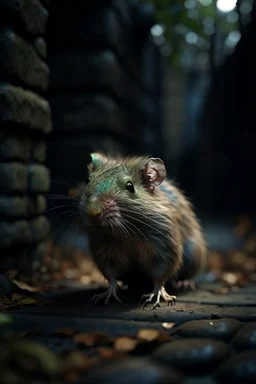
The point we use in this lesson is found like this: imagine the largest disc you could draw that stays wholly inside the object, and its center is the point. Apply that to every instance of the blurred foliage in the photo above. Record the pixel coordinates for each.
(179, 17)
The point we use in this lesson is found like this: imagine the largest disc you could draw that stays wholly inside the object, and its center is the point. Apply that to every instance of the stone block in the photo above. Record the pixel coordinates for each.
(86, 112)
(15, 147)
(40, 229)
(35, 205)
(20, 61)
(24, 108)
(31, 13)
(15, 233)
(13, 178)
(93, 68)
(41, 47)
(12, 207)
(39, 150)
(37, 255)
(39, 178)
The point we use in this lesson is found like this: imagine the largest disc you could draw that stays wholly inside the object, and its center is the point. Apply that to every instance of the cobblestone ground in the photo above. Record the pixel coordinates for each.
(207, 337)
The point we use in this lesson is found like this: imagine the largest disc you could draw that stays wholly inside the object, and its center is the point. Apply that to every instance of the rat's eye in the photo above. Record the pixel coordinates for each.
(88, 179)
(129, 187)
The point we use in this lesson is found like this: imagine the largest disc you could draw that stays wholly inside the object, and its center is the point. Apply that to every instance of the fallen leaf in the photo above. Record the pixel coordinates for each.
(221, 290)
(168, 325)
(148, 334)
(74, 363)
(109, 353)
(125, 344)
(63, 332)
(91, 339)
(25, 286)
(23, 300)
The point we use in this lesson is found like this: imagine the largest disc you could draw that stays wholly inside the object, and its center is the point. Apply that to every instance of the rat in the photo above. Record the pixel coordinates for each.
(134, 215)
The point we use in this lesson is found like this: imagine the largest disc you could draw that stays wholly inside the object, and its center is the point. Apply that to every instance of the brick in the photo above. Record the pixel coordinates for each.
(39, 179)
(24, 108)
(40, 229)
(15, 147)
(12, 207)
(35, 205)
(15, 233)
(20, 61)
(13, 178)
(39, 150)
(32, 14)
(41, 47)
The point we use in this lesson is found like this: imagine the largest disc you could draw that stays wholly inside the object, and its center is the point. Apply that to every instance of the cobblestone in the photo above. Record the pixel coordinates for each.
(192, 355)
(207, 344)
(222, 329)
(239, 368)
(131, 370)
(246, 337)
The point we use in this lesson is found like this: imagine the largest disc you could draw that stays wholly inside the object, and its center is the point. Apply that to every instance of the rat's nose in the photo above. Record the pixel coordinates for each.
(93, 208)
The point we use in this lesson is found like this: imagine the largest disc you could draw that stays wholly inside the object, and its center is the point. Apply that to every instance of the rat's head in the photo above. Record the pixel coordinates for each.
(119, 190)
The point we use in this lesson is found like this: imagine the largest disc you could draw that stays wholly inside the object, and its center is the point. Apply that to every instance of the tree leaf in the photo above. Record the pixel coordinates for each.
(91, 339)
(24, 286)
(168, 325)
(125, 344)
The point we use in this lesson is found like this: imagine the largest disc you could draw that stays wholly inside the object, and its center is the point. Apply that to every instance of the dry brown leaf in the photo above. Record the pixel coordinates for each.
(25, 286)
(168, 325)
(74, 363)
(125, 344)
(90, 339)
(109, 353)
(148, 334)
(5, 302)
(221, 290)
(63, 332)
(23, 300)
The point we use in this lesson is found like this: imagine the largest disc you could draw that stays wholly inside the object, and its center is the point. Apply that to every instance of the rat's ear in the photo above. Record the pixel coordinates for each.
(96, 161)
(154, 172)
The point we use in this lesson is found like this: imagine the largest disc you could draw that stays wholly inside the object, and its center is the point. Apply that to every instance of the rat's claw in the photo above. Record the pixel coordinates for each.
(168, 298)
(160, 293)
(110, 291)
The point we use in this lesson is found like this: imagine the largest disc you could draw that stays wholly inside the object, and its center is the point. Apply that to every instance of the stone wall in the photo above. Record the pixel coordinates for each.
(96, 93)
(25, 119)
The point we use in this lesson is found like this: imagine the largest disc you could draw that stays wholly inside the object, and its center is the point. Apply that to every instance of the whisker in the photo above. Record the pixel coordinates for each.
(129, 224)
(57, 196)
(65, 220)
(62, 206)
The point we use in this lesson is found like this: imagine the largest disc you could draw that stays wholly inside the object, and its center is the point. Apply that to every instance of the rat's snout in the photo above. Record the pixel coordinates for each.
(94, 209)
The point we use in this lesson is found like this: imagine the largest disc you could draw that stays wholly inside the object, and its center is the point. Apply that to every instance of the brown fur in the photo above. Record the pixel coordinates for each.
(158, 226)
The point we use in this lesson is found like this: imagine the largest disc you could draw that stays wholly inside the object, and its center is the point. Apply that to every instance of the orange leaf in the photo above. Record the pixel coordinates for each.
(148, 334)
(90, 339)
(125, 344)
(168, 325)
